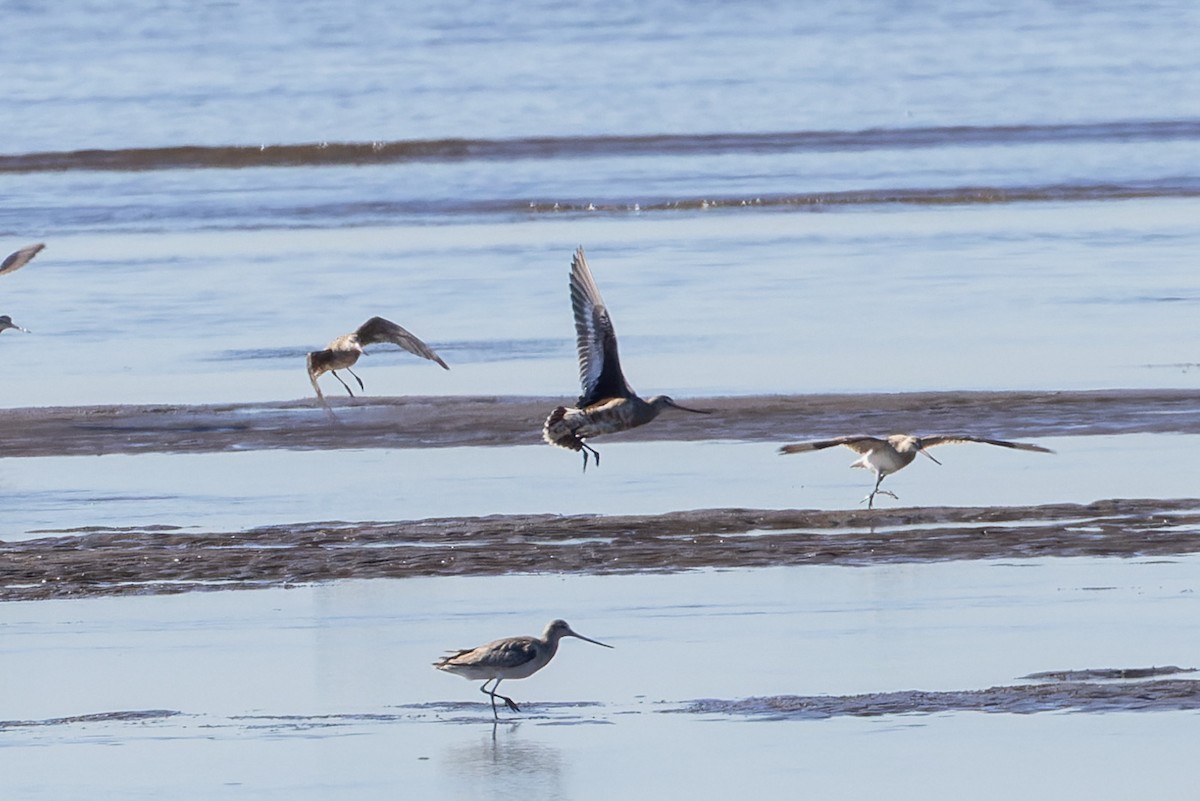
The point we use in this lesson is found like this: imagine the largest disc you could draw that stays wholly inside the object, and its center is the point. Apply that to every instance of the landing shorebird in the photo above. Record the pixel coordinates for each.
(608, 404)
(344, 351)
(510, 658)
(885, 456)
(20, 258)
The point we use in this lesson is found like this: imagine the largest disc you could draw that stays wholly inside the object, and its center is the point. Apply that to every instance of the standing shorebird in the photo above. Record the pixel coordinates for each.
(20, 258)
(344, 351)
(510, 658)
(886, 456)
(608, 404)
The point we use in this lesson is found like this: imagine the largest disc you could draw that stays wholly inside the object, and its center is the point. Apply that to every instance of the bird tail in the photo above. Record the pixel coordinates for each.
(558, 432)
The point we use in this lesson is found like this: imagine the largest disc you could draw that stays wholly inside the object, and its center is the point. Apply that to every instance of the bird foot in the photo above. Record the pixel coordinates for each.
(510, 703)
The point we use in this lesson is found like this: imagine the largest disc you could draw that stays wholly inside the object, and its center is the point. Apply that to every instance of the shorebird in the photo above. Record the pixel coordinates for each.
(7, 323)
(510, 658)
(344, 351)
(885, 456)
(608, 404)
(20, 258)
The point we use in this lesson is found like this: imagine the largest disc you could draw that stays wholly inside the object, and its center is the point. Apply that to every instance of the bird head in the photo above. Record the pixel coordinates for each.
(7, 323)
(557, 629)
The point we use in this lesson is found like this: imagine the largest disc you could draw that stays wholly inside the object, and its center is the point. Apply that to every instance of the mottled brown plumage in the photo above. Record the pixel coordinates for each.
(509, 658)
(886, 456)
(608, 404)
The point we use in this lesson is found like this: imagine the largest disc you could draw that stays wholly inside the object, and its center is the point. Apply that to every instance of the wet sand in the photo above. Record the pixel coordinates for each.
(439, 422)
(162, 560)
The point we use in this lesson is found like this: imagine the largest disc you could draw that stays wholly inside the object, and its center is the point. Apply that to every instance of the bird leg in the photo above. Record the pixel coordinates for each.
(494, 695)
(870, 499)
(343, 383)
(586, 450)
(356, 378)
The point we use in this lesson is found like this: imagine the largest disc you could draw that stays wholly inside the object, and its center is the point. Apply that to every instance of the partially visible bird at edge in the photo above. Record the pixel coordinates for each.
(13, 262)
(343, 352)
(608, 404)
(886, 456)
(20, 258)
(509, 658)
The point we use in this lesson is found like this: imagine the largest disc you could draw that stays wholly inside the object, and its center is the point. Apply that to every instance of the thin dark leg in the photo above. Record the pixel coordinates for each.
(343, 383)
(586, 450)
(483, 689)
(508, 701)
(356, 378)
(494, 695)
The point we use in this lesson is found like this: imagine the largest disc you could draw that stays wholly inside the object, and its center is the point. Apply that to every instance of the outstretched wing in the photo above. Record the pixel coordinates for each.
(599, 365)
(954, 439)
(858, 444)
(378, 329)
(19, 259)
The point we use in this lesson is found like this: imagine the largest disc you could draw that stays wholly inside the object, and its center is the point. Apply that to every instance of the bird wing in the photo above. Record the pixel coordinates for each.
(858, 444)
(599, 365)
(509, 653)
(954, 439)
(378, 329)
(20, 258)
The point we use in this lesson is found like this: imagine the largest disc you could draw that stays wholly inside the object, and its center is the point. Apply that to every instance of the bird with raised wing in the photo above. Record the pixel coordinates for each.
(886, 456)
(509, 658)
(608, 404)
(343, 352)
(18, 259)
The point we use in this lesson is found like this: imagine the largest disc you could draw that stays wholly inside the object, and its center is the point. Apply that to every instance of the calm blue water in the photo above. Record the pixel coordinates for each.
(776, 197)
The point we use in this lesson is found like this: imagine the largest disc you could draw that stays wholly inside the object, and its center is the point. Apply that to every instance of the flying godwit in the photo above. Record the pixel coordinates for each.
(510, 658)
(608, 404)
(20, 258)
(885, 456)
(344, 351)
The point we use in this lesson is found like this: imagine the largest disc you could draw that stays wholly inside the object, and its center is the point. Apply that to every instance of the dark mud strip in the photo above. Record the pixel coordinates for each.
(135, 716)
(1163, 695)
(116, 562)
(435, 422)
(309, 154)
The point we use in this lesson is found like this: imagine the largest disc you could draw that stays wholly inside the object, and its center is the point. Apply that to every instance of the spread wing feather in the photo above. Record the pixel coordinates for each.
(953, 439)
(377, 329)
(858, 444)
(20, 258)
(599, 364)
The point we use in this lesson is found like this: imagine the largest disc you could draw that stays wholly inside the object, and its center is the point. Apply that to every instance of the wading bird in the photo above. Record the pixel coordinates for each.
(20, 258)
(510, 658)
(344, 351)
(607, 404)
(885, 456)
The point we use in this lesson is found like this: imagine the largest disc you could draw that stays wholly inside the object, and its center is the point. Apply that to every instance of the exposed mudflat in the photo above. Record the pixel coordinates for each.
(425, 422)
(165, 560)
(1076, 696)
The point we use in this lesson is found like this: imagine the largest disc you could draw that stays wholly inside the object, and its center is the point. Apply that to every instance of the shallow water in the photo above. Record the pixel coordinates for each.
(775, 199)
(304, 690)
(237, 491)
